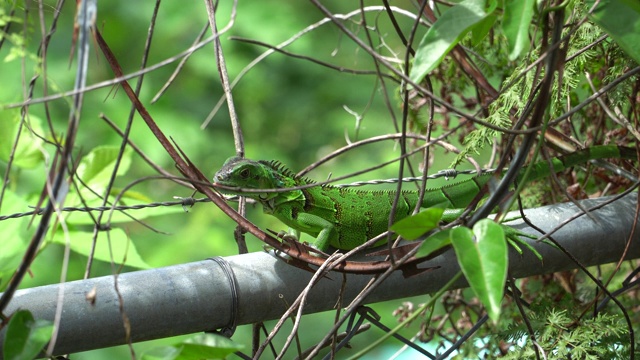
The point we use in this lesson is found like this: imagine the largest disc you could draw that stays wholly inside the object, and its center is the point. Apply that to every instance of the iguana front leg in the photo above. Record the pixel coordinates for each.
(313, 224)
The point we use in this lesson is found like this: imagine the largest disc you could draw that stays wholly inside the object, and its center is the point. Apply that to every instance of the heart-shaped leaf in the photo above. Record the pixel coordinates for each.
(484, 262)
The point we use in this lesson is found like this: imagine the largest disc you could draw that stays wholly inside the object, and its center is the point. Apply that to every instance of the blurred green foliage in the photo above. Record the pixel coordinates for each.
(290, 109)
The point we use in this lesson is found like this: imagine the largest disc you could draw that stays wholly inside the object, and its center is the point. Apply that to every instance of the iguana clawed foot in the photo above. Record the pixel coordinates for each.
(286, 236)
(292, 240)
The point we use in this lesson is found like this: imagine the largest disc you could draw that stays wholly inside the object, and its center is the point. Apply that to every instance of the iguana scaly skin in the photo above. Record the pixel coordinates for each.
(344, 217)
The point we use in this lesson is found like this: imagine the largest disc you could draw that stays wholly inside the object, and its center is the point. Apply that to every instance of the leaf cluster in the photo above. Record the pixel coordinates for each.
(560, 335)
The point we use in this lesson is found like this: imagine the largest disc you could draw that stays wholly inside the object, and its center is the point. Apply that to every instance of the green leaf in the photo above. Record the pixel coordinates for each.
(122, 248)
(95, 170)
(96, 167)
(162, 353)
(445, 33)
(621, 20)
(515, 25)
(484, 262)
(203, 346)
(25, 336)
(434, 242)
(412, 227)
(29, 152)
(208, 346)
(15, 235)
(481, 29)
(132, 195)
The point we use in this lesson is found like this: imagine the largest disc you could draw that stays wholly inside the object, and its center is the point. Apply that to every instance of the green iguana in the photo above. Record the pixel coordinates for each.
(345, 218)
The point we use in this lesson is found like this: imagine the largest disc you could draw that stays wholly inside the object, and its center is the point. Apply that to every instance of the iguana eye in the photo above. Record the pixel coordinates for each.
(245, 173)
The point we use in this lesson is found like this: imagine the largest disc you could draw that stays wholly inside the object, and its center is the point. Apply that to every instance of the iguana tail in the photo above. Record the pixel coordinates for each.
(460, 194)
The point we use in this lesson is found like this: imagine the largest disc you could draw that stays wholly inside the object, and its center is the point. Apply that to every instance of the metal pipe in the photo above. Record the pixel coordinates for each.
(197, 296)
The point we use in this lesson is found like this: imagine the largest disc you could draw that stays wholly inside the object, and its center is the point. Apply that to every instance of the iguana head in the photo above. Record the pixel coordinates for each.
(249, 174)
